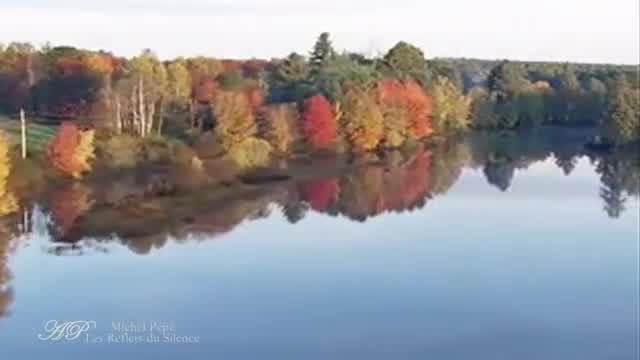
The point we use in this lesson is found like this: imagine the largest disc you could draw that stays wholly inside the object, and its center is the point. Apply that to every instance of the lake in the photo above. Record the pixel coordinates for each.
(489, 248)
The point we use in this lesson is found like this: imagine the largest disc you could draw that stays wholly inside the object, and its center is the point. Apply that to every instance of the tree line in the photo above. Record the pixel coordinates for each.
(325, 101)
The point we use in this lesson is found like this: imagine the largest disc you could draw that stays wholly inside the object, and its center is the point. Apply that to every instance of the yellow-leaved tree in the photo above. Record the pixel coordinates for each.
(236, 130)
(452, 107)
(251, 152)
(8, 202)
(363, 120)
(235, 120)
(281, 126)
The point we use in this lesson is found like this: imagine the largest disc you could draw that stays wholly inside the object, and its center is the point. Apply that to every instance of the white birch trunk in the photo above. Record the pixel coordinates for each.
(151, 114)
(135, 119)
(23, 126)
(141, 107)
(118, 116)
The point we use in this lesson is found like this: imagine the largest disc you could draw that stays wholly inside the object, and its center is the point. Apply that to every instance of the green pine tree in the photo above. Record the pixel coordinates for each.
(322, 53)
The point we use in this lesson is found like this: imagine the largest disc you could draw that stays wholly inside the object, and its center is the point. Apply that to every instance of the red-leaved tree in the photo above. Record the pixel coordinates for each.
(319, 126)
(420, 106)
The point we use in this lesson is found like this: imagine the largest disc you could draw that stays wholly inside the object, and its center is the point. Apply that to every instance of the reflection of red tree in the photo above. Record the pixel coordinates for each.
(320, 194)
(68, 204)
(417, 185)
(373, 190)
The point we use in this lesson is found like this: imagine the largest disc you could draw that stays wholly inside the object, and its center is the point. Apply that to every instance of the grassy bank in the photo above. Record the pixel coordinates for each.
(38, 136)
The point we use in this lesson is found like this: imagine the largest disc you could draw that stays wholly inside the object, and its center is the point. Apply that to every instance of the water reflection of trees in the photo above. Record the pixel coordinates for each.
(620, 179)
(82, 220)
(11, 229)
(6, 291)
(500, 156)
(396, 183)
(146, 226)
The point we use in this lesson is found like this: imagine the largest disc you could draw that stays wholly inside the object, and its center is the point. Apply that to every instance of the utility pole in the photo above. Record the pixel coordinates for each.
(23, 124)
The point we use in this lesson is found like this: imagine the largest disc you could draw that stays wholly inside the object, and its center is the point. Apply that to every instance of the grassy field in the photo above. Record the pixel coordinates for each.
(38, 136)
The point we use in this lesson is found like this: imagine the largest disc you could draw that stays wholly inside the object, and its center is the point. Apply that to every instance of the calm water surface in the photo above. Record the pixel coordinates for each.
(502, 260)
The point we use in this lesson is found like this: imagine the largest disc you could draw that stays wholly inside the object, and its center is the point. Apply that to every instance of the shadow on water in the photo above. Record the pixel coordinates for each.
(81, 218)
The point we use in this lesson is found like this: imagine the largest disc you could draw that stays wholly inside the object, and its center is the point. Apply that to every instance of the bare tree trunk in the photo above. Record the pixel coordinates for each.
(118, 116)
(23, 125)
(31, 76)
(161, 118)
(134, 112)
(141, 107)
(107, 94)
(151, 114)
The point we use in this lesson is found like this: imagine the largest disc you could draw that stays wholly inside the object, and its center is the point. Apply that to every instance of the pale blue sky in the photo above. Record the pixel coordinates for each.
(559, 30)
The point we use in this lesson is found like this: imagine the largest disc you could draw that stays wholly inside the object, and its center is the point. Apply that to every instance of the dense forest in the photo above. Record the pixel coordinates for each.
(112, 112)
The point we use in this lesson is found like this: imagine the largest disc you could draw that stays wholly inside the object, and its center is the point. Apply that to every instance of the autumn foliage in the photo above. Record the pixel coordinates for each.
(281, 126)
(236, 121)
(8, 202)
(76, 82)
(411, 99)
(5, 162)
(319, 123)
(72, 150)
(237, 130)
(363, 120)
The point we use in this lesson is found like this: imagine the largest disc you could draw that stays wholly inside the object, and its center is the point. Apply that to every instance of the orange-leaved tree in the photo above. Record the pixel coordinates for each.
(420, 106)
(320, 127)
(72, 150)
(407, 99)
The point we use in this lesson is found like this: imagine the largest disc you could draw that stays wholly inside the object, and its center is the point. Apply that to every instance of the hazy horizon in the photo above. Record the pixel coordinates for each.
(569, 30)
